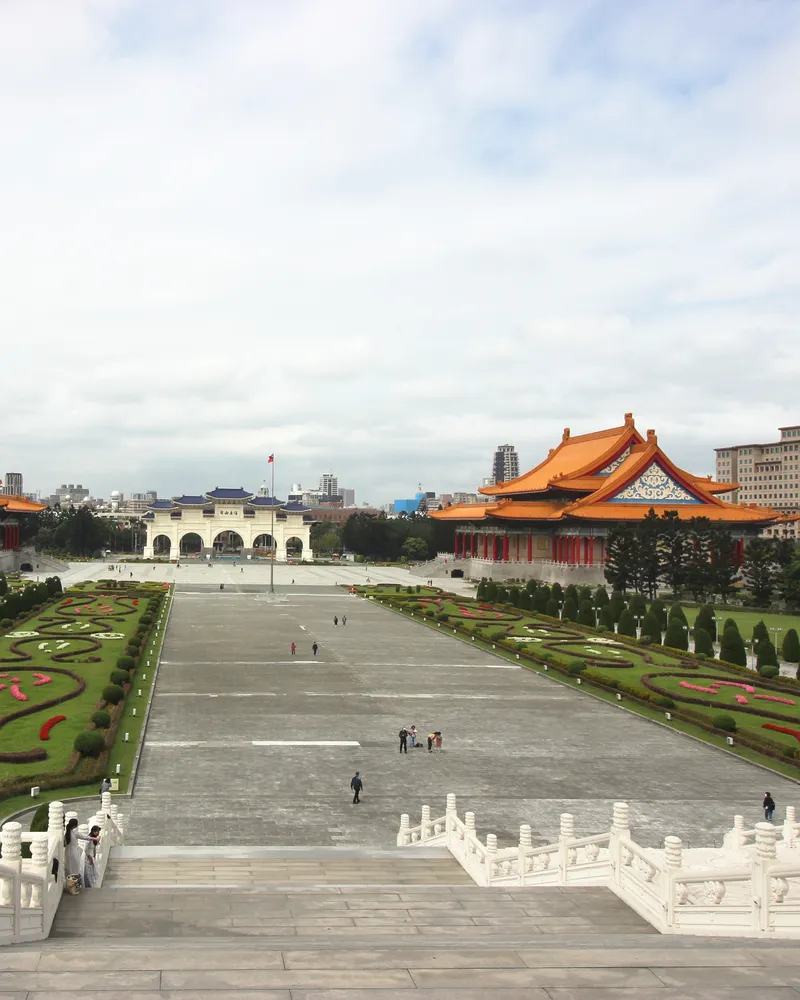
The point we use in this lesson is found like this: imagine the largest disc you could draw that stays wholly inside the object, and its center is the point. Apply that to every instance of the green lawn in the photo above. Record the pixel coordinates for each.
(747, 620)
(86, 631)
(624, 663)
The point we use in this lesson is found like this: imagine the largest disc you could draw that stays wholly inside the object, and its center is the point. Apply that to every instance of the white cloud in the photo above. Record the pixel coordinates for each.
(385, 237)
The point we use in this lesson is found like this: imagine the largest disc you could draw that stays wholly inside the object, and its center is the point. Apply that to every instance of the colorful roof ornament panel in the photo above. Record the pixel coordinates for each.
(617, 462)
(654, 485)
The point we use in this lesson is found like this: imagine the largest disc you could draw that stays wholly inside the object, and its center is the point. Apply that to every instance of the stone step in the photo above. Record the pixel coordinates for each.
(201, 868)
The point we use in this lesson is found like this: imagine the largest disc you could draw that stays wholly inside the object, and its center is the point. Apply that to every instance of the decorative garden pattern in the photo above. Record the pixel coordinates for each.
(719, 697)
(65, 670)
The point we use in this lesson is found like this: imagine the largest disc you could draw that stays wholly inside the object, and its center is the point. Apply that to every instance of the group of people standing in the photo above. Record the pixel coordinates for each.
(80, 865)
(409, 734)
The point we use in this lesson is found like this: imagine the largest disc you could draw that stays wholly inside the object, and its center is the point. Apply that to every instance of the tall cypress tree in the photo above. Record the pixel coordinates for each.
(760, 631)
(659, 609)
(724, 562)
(651, 627)
(760, 570)
(677, 636)
(698, 557)
(570, 610)
(601, 597)
(541, 599)
(627, 625)
(557, 592)
(571, 593)
(705, 620)
(617, 605)
(637, 605)
(702, 642)
(676, 611)
(648, 554)
(586, 614)
(606, 617)
(621, 558)
(673, 537)
(766, 655)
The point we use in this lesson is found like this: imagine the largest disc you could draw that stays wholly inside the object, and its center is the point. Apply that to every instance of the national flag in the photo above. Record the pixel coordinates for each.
(270, 459)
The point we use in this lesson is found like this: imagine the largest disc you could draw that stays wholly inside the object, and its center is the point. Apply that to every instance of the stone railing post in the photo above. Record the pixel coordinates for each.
(404, 834)
(11, 840)
(566, 855)
(40, 846)
(491, 857)
(737, 833)
(789, 823)
(105, 803)
(620, 827)
(525, 844)
(766, 856)
(673, 852)
(55, 820)
(450, 814)
(426, 823)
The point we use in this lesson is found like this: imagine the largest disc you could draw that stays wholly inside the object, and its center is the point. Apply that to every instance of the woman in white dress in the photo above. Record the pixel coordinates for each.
(74, 859)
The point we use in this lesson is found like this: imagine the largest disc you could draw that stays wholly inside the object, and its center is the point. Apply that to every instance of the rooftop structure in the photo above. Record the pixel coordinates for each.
(505, 464)
(563, 509)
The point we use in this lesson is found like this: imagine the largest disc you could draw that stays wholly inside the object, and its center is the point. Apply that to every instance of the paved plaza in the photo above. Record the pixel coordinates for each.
(518, 747)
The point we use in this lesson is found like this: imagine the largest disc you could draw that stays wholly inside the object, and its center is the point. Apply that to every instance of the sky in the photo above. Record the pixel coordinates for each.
(381, 238)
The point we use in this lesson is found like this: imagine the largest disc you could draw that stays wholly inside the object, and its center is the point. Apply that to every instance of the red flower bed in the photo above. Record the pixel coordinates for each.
(782, 729)
(44, 732)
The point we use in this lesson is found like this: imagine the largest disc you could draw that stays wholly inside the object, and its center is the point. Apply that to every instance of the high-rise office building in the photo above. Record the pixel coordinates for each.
(768, 474)
(506, 463)
(348, 497)
(328, 485)
(12, 485)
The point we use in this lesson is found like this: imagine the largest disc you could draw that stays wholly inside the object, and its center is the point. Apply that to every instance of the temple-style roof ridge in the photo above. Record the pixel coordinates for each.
(162, 505)
(20, 505)
(190, 501)
(577, 456)
(229, 494)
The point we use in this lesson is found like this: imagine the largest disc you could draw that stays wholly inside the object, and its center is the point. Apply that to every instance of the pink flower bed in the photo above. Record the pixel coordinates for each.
(696, 687)
(772, 697)
(740, 698)
(16, 693)
(735, 684)
(41, 679)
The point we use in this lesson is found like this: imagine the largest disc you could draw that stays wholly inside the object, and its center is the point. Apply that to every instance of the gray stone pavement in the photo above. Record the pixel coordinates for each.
(517, 747)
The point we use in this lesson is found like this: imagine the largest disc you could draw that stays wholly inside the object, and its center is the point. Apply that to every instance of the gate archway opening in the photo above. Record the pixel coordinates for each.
(162, 545)
(191, 544)
(228, 543)
(263, 545)
(294, 548)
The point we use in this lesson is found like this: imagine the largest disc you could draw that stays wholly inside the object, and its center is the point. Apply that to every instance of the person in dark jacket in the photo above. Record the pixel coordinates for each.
(768, 805)
(356, 784)
(403, 741)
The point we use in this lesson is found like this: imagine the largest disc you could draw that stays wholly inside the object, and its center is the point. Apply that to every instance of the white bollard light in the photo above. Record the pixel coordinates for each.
(140, 692)
(118, 769)
(133, 712)
(127, 738)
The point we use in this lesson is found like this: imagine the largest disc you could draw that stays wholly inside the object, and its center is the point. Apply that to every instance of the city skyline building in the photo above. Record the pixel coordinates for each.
(505, 465)
(328, 485)
(763, 474)
(348, 497)
(12, 485)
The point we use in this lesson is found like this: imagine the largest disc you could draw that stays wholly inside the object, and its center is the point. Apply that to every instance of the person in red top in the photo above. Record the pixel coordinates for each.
(294, 648)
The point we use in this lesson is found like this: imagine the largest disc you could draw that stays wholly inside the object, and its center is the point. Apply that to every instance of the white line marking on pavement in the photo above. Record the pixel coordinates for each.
(306, 743)
(303, 627)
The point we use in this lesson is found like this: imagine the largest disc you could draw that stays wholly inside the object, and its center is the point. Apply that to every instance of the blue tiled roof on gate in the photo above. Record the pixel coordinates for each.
(296, 508)
(266, 502)
(189, 501)
(149, 516)
(226, 494)
(161, 505)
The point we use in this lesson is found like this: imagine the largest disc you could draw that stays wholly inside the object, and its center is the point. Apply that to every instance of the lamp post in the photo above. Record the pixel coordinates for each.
(719, 621)
(776, 630)
(688, 632)
(272, 530)
(596, 610)
(754, 652)
(560, 609)
(638, 619)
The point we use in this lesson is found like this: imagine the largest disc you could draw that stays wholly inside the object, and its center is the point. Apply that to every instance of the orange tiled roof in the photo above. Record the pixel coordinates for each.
(461, 512)
(573, 458)
(20, 505)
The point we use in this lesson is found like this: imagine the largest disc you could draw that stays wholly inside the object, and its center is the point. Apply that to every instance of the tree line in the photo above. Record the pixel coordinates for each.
(698, 556)
(75, 531)
(388, 539)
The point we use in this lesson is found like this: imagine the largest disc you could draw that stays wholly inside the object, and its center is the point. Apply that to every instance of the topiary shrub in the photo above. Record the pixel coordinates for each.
(725, 722)
(586, 614)
(659, 609)
(791, 647)
(6, 623)
(732, 649)
(570, 609)
(575, 667)
(730, 623)
(637, 605)
(551, 608)
(120, 677)
(136, 642)
(768, 670)
(40, 818)
(131, 651)
(101, 719)
(442, 616)
(676, 611)
(790, 752)
(627, 624)
(663, 701)
(702, 642)
(125, 663)
(677, 636)
(651, 626)
(765, 654)
(145, 620)
(113, 694)
(89, 743)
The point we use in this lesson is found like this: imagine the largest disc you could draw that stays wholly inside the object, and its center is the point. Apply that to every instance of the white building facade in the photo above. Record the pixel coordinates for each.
(228, 523)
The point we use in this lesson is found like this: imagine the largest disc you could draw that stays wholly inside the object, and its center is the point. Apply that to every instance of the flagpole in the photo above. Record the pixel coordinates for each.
(272, 531)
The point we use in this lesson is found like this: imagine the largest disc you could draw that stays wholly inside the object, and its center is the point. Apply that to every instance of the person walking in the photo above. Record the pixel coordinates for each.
(315, 647)
(412, 735)
(105, 786)
(403, 741)
(356, 784)
(344, 619)
(768, 805)
(294, 648)
(335, 621)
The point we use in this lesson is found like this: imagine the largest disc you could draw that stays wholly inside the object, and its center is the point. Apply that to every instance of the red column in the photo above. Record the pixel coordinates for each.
(455, 546)
(586, 551)
(562, 548)
(530, 548)
(554, 552)
(485, 546)
(602, 551)
(494, 548)
(591, 550)
(571, 550)
(505, 548)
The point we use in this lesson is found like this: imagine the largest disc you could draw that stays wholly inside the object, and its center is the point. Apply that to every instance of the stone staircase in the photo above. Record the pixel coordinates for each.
(355, 924)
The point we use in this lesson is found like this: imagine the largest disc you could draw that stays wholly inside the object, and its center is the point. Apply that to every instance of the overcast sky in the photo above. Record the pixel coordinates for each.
(384, 237)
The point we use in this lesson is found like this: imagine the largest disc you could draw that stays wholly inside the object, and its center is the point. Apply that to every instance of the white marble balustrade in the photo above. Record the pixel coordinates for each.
(750, 887)
(29, 891)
